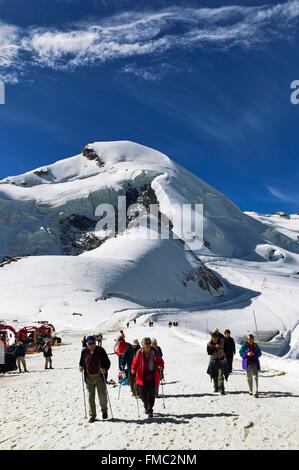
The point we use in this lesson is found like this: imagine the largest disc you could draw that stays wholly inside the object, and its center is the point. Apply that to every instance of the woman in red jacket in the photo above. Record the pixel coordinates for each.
(147, 366)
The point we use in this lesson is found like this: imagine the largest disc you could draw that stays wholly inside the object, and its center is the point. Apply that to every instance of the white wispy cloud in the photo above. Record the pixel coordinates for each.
(284, 195)
(133, 34)
(152, 72)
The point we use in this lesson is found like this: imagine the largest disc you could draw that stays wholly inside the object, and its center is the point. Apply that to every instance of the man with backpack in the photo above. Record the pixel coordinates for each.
(147, 366)
(94, 363)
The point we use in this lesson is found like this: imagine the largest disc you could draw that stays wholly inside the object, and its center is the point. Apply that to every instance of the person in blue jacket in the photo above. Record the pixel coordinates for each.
(20, 353)
(250, 353)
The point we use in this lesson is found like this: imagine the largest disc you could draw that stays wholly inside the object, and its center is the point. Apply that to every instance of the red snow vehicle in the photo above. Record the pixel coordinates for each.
(47, 330)
(34, 336)
(27, 335)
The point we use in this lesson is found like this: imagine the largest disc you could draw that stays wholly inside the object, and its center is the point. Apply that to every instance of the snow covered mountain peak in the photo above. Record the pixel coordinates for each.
(51, 210)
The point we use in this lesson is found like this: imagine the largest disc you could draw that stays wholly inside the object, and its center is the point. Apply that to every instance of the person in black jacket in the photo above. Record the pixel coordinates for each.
(217, 370)
(125, 362)
(95, 364)
(230, 349)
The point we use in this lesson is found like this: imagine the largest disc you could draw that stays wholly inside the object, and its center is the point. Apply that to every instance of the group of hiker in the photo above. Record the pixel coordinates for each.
(222, 349)
(20, 355)
(143, 367)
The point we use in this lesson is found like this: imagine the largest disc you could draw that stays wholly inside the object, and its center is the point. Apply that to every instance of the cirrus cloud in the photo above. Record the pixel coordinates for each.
(133, 34)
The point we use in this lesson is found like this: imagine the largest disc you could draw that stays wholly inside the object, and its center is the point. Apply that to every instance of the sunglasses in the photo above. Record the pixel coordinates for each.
(90, 344)
(147, 344)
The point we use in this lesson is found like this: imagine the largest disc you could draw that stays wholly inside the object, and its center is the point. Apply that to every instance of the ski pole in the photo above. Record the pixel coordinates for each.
(119, 389)
(84, 398)
(105, 382)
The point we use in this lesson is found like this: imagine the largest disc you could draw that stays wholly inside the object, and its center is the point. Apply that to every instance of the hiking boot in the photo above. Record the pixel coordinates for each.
(104, 415)
(150, 415)
(256, 395)
(216, 390)
(26, 370)
(51, 367)
(222, 391)
(91, 420)
(20, 371)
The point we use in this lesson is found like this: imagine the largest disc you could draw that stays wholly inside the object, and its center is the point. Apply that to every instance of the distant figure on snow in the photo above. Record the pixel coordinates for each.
(122, 334)
(47, 351)
(20, 353)
(99, 339)
(83, 342)
(250, 353)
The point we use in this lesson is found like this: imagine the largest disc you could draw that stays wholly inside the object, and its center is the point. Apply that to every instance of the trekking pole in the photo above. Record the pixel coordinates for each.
(257, 332)
(119, 389)
(105, 382)
(138, 410)
(161, 382)
(84, 398)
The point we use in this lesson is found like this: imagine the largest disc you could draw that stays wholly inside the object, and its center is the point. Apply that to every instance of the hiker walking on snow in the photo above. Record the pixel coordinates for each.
(159, 352)
(95, 364)
(217, 369)
(20, 353)
(230, 349)
(47, 352)
(250, 353)
(147, 366)
(126, 362)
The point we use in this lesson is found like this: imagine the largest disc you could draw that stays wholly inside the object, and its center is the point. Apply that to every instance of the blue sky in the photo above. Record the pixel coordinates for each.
(208, 83)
